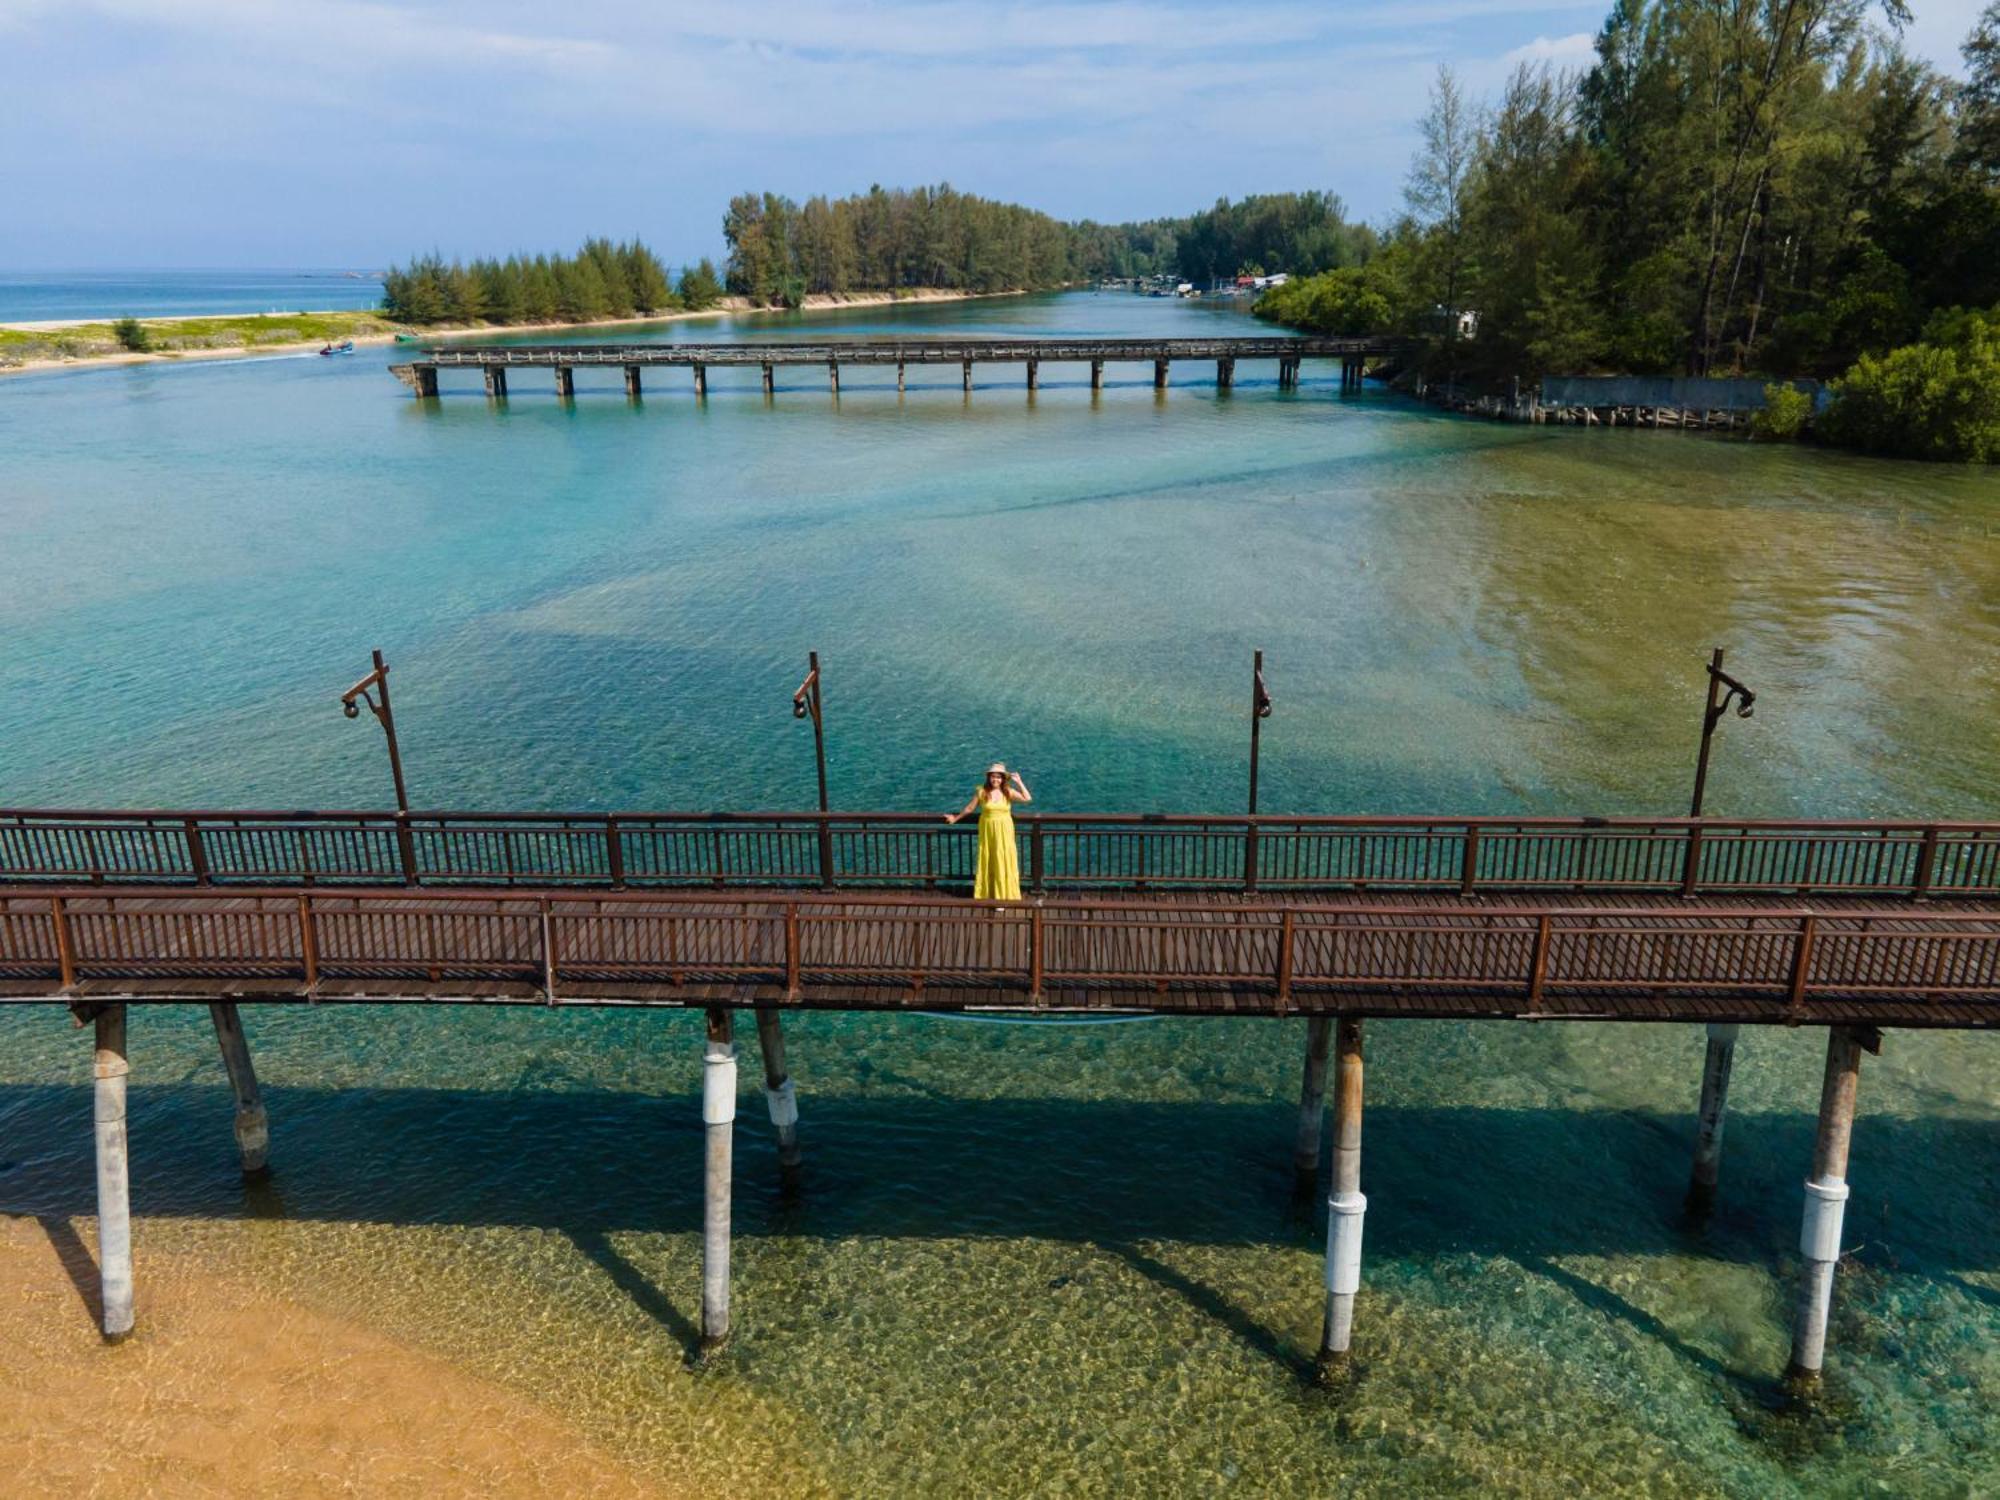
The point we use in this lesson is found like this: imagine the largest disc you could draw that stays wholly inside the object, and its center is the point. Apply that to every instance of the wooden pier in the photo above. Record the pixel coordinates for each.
(496, 361)
(1854, 927)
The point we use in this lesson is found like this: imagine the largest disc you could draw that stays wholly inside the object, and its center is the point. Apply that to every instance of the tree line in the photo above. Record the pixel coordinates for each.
(883, 240)
(889, 239)
(602, 280)
(1773, 188)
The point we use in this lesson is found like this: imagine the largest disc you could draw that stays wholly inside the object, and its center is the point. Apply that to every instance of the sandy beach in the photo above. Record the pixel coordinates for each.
(228, 1389)
(815, 302)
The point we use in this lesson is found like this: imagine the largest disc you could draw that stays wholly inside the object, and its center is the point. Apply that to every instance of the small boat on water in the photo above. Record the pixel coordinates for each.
(346, 346)
(408, 338)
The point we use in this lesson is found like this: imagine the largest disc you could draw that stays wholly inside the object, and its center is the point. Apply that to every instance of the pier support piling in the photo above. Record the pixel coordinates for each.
(1159, 374)
(565, 383)
(833, 376)
(1716, 1067)
(718, 1118)
(1346, 1208)
(253, 1130)
(1312, 1102)
(701, 382)
(114, 1194)
(426, 384)
(496, 381)
(899, 377)
(770, 381)
(632, 383)
(1034, 373)
(1826, 1207)
(778, 1091)
(968, 374)
(1097, 374)
(1225, 374)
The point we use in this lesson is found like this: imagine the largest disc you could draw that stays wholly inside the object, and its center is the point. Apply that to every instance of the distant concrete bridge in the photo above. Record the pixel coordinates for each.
(496, 360)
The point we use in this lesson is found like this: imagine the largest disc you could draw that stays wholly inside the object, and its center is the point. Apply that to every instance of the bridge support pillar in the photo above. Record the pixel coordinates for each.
(1346, 1208)
(770, 381)
(833, 376)
(496, 380)
(1225, 374)
(968, 374)
(899, 377)
(1159, 374)
(1826, 1207)
(779, 1093)
(1097, 374)
(718, 1118)
(1312, 1102)
(701, 382)
(565, 382)
(632, 382)
(1716, 1067)
(253, 1130)
(1034, 373)
(426, 384)
(114, 1192)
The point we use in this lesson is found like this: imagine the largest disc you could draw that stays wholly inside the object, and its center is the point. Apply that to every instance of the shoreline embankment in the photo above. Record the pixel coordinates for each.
(385, 331)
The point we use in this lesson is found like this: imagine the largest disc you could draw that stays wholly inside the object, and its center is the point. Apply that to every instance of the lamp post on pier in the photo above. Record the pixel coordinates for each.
(1721, 689)
(806, 704)
(1260, 710)
(1720, 1057)
(378, 680)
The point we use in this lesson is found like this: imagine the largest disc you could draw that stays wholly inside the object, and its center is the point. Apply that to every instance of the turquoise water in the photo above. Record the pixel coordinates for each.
(1028, 1260)
(42, 296)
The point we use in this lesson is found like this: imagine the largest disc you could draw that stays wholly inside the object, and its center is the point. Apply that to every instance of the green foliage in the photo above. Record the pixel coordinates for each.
(131, 334)
(1775, 189)
(1352, 301)
(602, 280)
(1937, 399)
(1785, 412)
(885, 239)
(1298, 233)
(700, 288)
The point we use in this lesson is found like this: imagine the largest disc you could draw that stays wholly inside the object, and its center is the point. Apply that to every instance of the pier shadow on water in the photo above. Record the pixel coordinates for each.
(1528, 1185)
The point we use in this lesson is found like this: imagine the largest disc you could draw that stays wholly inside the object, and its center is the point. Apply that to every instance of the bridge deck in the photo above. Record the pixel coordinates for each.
(914, 351)
(1836, 960)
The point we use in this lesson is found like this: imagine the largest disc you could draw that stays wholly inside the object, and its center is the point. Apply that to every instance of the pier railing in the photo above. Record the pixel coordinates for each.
(1058, 852)
(915, 351)
(901, 950)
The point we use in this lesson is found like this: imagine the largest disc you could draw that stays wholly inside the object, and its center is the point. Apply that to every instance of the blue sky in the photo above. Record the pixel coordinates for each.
(350, 132)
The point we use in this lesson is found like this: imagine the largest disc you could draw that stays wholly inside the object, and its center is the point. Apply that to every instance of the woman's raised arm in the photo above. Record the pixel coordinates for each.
(1020, 788)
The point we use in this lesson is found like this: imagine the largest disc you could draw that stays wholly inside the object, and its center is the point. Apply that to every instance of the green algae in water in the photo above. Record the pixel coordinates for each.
(1031, 1261)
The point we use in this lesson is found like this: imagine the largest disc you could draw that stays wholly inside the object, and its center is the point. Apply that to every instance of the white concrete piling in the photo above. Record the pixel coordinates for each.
(253, 1132)
(1717, 1065)
(779, 1093)
(1346, 1207)
(1825, 1206)
(114, 1194)
(718, 1117)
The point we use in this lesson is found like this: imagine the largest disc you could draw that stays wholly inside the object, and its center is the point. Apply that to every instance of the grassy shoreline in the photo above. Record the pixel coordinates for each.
(28, 348)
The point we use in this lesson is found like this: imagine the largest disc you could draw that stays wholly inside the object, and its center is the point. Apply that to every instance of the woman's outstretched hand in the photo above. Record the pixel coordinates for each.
(951, 817)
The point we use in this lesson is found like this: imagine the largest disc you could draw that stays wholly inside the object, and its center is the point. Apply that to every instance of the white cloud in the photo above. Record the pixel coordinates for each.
(1577, 50)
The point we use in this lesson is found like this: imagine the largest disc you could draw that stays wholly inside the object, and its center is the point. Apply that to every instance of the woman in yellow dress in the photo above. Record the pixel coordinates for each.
(997, 875)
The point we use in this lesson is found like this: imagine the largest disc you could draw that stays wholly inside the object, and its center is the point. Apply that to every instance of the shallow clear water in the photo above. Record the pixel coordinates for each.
(1028, 1260)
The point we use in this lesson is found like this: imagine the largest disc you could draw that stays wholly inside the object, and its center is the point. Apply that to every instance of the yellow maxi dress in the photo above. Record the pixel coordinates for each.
(997, 876)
